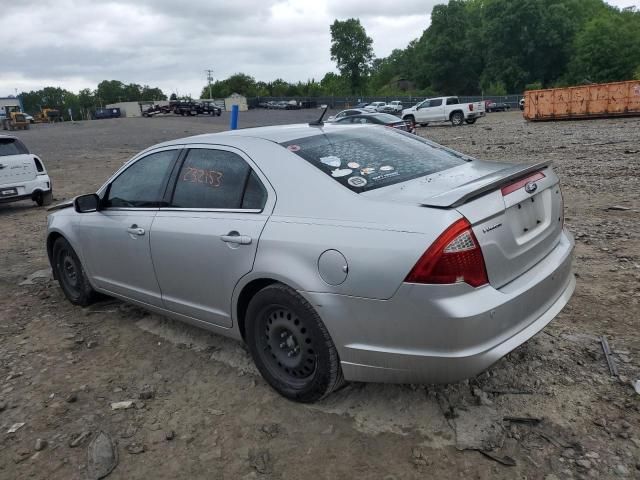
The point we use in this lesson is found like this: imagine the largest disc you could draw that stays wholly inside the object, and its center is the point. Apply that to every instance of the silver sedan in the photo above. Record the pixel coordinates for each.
(336, 253)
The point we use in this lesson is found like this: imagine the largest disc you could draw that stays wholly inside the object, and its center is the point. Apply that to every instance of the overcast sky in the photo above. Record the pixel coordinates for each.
(167, 43)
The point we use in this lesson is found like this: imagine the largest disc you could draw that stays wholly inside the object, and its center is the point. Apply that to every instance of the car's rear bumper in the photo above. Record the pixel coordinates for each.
(27, 190)
(442, 334)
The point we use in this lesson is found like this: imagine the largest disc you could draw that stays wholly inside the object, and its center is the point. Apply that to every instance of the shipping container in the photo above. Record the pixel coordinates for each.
(588, 101)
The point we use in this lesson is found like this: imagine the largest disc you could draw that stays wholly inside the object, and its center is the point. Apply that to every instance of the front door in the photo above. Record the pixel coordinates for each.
(206, 240)
(116, 238)
(435, 111)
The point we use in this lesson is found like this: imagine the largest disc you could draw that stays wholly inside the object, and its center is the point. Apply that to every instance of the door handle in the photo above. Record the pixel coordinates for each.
(135, 230)
(235, 237)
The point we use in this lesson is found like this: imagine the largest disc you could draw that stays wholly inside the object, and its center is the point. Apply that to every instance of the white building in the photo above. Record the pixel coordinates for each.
(236, 99)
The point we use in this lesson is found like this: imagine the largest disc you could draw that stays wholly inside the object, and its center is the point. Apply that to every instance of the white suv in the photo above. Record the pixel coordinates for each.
(22, 174)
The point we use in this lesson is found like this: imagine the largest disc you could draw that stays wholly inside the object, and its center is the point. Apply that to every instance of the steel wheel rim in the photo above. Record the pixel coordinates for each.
(69, 272)
(286, 345)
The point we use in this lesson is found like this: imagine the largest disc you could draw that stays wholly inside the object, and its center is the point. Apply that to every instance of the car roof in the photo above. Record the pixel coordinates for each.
(13, 137)
(276, 134)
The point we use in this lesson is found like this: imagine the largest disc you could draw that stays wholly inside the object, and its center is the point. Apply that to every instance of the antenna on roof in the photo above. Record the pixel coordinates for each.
(319, 122)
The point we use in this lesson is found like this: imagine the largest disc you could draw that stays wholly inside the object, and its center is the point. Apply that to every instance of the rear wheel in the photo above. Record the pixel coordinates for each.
(44, 199)
(70, 274)
(291, 346)
(457, 119)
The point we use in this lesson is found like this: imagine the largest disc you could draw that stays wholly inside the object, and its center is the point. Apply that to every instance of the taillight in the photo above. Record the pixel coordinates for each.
(471, 107)
(455, 257)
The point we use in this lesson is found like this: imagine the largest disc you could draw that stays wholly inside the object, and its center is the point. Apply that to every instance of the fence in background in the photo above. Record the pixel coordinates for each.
(347, 102)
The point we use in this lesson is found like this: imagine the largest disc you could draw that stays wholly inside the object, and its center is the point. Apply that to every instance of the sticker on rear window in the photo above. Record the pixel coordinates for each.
(341, 172)
(293, 148)
(357, 181)
(331, 160)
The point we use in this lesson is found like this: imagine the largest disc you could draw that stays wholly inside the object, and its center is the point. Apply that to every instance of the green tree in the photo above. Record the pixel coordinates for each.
(608, 49)
(352, 51)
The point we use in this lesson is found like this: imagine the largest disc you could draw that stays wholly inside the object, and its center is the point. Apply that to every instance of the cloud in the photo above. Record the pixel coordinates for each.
(77, 43)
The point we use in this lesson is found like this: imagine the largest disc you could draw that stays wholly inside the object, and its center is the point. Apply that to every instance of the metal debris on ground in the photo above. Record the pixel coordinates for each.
(636, 386)
(607, 353)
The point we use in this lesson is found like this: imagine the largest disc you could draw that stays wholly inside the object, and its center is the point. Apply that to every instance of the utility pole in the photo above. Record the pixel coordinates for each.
(210, 79)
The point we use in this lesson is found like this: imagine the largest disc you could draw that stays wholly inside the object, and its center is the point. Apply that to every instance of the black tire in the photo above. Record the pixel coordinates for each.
(291, 346)
(410, 118)
(44, 199)
(70, 274)
(457, 119)
(471, 121)
(424, 124)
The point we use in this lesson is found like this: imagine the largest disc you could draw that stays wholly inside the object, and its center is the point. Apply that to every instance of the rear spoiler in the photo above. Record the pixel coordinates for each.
(462, 194)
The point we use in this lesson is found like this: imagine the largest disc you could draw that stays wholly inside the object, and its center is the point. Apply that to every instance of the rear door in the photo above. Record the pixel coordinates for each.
(116, 238)
(206, 239)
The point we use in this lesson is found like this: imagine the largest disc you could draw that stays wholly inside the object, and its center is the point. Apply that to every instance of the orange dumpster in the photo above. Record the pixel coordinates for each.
(589, 101)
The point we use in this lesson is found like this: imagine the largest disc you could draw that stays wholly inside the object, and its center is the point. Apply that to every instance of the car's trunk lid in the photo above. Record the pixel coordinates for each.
(515, 210)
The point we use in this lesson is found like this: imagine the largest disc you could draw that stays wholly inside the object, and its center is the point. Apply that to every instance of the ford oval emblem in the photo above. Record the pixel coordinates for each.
(531, 187)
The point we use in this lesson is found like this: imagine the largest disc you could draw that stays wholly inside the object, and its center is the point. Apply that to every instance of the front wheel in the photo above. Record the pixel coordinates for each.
(457, 119)
(410, 118)
(471, 121)
(70, 274)
(291, 346)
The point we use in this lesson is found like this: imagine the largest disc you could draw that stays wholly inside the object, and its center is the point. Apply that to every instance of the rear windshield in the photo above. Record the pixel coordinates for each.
(363, 159)
(11, 146)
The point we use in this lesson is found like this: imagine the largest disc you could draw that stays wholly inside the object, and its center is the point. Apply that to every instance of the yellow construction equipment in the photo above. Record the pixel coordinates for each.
(14, 119)
(47, 115)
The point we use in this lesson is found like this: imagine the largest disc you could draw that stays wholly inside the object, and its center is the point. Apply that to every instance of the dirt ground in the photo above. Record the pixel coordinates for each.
(549, 410)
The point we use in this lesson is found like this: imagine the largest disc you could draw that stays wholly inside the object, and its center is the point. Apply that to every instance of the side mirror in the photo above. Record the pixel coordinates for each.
(87, 203)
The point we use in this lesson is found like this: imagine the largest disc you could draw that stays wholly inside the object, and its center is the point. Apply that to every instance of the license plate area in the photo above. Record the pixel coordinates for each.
(8, 192)
(530, 217)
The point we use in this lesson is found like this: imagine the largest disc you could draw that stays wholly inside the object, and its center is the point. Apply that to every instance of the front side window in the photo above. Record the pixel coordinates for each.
(435, 103)
(363, 159)
(142, 184)
(217, 179)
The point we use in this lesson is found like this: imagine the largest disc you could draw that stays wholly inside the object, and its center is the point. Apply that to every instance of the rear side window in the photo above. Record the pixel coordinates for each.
(142, 184)
(452, 101)
(363, 159)
(11, 146)
(217, 179)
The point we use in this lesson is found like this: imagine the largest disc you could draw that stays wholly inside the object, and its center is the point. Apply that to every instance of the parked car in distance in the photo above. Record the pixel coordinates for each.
(444, 109)
(426, 265)
(393, 107)
(361, 105)
(521, 103)
(375, 107)
(493, 106)
(209, 108)
(103, 113)
(22, 174)
(377, 119)
(346, 113)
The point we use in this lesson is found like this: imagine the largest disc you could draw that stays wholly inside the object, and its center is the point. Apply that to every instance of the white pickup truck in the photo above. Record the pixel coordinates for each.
(444, 109)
